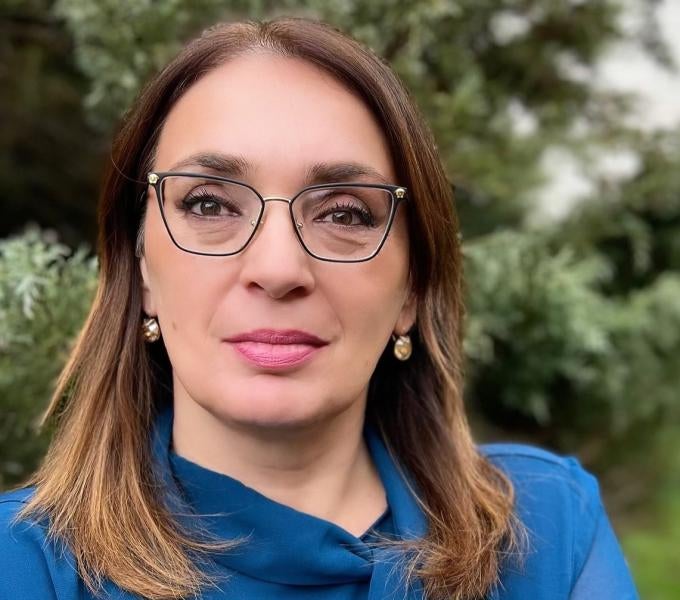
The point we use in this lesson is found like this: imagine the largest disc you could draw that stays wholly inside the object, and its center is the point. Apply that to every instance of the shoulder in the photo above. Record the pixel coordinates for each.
(535, 471)
(31, 565)
(15, 533)
(559, 503)
(22, 559)
(545, 479)
(11, 504)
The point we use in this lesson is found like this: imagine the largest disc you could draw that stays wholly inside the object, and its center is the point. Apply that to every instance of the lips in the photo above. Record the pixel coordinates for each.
(276, 348)
(278, 336)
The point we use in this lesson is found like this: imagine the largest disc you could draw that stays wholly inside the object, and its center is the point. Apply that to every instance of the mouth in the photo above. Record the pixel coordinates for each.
(276, 349)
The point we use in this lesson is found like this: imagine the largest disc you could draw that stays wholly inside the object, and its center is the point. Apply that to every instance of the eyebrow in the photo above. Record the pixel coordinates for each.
(229, 165)
(324, 172)
(237, 167)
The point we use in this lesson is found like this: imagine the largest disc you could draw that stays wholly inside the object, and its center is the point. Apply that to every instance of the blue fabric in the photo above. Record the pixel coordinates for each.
(291, 555)
(573, 551)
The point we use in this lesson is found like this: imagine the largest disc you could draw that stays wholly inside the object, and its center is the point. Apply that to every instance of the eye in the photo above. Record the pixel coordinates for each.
(345, 214)
(344, 217)
(202, 203)
(207, 208)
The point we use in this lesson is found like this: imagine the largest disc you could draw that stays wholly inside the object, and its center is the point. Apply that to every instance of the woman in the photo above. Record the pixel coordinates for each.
(289, 423)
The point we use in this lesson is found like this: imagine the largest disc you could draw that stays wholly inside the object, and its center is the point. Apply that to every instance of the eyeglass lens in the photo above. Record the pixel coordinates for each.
(216, 217)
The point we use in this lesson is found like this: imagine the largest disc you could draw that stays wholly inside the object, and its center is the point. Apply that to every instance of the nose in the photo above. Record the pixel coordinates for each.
(275, 261)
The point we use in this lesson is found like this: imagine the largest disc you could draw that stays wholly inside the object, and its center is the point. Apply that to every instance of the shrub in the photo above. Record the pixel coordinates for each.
(45, 291)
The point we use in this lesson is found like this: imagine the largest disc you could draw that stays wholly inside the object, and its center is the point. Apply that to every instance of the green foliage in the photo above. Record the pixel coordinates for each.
(45, 292)
(549, 350)
(635, 223)
(536, 320)
(116, 59)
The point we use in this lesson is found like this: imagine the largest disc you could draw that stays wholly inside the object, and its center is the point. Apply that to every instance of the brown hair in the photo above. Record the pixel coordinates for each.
(96, 483)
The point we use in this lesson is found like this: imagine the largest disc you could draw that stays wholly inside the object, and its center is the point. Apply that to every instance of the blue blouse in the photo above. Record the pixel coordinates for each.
(290, 555)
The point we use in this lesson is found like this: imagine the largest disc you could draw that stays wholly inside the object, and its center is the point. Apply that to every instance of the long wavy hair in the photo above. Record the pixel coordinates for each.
(96, 486)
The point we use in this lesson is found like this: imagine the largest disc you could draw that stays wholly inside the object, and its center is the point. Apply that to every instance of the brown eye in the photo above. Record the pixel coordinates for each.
(342, 217)
(346, 215)
(207, 208)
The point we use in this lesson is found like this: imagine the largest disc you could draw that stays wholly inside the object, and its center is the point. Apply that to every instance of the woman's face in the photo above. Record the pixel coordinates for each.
(272, 337)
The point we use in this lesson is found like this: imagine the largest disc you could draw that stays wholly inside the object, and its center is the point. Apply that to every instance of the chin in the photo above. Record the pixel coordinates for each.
(271, 409)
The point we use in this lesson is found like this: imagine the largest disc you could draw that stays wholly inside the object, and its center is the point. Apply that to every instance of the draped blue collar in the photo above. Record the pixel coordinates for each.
(281, 544)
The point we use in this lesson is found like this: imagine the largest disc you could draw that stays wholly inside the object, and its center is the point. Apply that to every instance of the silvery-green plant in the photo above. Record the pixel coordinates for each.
(45, 292)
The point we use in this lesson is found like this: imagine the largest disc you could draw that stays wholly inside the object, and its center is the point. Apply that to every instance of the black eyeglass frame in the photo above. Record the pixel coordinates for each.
(398, 194)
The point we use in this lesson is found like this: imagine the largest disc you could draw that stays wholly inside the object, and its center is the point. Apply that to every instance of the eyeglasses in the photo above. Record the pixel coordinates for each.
(216, 216)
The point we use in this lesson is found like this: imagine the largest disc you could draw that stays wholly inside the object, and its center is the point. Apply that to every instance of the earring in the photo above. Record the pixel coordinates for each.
(150, 330)
(403, 347)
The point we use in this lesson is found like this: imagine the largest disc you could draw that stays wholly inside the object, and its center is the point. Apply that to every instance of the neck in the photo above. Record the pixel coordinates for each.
(323, 469)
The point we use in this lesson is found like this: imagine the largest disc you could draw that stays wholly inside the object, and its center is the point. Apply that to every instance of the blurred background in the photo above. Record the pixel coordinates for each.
(559, 124)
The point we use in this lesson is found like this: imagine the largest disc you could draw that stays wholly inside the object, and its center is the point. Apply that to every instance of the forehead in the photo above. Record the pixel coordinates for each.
(280, 114)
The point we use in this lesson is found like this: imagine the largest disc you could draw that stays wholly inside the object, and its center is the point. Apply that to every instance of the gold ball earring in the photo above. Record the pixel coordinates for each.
(151, 331)
(403, 347)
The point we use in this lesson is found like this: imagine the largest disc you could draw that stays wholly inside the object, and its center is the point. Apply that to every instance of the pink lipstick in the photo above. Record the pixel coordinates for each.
(276, 348)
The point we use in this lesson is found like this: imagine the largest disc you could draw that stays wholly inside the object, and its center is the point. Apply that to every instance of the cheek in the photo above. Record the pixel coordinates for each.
(368, 298)
(183, 285)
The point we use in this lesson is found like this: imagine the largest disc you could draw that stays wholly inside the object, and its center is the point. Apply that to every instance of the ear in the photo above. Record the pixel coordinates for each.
(407, 315)
(147, 296)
